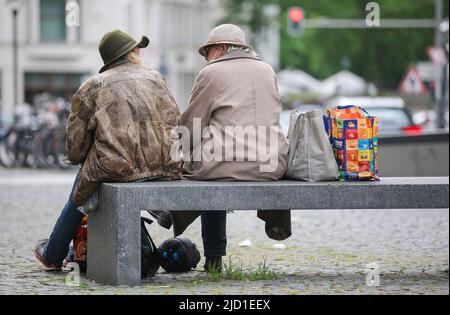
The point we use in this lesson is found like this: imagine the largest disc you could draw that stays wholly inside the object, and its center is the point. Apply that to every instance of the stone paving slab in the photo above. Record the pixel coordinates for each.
(327, 253)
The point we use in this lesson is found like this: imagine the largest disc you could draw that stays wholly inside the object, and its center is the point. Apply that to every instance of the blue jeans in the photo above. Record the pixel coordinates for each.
(65, 228)
(214, 233)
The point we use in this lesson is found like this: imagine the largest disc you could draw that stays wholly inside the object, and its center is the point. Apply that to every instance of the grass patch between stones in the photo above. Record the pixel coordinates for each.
(237, 272)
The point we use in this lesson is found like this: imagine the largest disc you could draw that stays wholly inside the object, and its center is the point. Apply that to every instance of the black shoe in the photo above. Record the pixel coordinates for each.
(162, 217)
(213, 264)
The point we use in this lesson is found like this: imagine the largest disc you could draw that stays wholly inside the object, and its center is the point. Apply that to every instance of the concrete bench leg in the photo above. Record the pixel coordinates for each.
(114, 243)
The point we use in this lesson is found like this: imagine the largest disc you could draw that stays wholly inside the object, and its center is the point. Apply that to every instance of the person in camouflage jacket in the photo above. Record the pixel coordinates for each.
(120, 130)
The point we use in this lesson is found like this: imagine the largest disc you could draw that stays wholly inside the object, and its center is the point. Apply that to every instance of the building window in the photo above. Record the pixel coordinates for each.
(53, 20)
(57, 84)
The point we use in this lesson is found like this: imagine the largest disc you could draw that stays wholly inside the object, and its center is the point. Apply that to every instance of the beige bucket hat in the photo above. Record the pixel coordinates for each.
(225, 34)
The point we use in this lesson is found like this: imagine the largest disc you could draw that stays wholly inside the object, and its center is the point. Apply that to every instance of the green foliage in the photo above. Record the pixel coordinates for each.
(246, 12)
(263, 271)
(236, 272)
(379, 55)
(233, 271)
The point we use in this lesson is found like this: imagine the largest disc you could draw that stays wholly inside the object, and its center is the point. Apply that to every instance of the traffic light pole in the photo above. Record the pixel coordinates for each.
(15, 46)
(360, 23)
(443, 98)
(442, 92)
(438, 19)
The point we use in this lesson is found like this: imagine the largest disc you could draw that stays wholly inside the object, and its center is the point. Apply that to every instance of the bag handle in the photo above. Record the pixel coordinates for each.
(350, 106)
(149, 222)
(368, 115)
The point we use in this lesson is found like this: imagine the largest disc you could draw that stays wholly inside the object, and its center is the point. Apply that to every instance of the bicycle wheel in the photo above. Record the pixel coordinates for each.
(25, 145)
(37, 148)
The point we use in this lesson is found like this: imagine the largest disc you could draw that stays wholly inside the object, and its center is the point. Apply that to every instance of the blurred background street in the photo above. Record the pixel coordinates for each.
(391, 58)
(388, 56)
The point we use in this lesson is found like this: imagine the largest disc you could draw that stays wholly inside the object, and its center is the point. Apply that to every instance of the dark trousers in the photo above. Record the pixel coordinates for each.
(68, 222)
(214, 233)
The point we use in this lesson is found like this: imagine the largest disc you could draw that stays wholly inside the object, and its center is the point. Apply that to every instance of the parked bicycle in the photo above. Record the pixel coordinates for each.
(38, 137)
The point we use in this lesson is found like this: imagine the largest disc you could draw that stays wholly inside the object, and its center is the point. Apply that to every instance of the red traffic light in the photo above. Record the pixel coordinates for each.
(296, 15)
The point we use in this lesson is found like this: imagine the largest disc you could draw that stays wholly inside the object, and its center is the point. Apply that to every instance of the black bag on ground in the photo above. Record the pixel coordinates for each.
(178, 254)
(150, 258)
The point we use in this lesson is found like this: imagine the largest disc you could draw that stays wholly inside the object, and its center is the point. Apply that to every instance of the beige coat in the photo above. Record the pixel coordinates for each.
(238, 90)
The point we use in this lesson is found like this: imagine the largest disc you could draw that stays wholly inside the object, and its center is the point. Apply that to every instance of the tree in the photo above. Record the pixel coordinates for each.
(249, 13)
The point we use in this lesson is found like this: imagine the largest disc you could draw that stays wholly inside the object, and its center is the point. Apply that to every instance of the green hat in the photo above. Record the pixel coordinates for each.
(116, 44)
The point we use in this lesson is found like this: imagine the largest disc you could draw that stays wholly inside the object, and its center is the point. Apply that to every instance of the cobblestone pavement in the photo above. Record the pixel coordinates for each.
(327, 254)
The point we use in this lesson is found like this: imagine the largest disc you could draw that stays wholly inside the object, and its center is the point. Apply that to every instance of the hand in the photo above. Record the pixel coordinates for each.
(67, 161)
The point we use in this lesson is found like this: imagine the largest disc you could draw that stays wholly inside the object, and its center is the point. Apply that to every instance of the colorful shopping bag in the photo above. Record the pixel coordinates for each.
(354, 137)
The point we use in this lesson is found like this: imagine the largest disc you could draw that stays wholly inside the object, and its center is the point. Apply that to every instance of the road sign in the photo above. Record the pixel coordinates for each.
(412, 83)
(437, 55)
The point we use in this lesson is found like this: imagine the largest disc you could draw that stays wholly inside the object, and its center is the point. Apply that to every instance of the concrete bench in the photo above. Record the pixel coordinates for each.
(114, 241)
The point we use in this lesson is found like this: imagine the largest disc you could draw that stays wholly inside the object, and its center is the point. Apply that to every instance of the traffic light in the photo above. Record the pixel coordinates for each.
(295, 20)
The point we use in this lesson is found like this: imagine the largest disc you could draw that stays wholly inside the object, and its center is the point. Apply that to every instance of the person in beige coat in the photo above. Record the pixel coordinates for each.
(232, 133)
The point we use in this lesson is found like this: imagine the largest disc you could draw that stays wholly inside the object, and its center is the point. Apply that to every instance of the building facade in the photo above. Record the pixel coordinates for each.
(58, 39)
(56, 56)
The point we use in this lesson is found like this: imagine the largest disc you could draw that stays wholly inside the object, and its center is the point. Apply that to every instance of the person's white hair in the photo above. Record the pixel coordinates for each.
(133, 57)
(246, 49)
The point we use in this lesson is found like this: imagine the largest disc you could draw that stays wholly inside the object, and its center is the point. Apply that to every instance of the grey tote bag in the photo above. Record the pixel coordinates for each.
(310, 156)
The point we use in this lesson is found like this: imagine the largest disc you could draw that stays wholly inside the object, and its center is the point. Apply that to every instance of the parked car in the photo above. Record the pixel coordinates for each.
(394, 116)
(428, 120)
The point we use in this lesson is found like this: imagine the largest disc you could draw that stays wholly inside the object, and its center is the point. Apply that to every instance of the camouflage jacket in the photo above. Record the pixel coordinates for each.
(121, 129)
